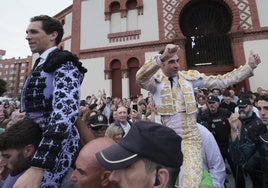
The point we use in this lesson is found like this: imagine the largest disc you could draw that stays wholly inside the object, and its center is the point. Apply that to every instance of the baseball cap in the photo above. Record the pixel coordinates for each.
(243, 103)
(264, 137)
(96, 121)
(213, 98)
(145, 139)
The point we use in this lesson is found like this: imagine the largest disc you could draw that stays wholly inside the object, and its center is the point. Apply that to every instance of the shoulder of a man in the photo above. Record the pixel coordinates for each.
(225, 112)
(256, 128)
(256, 119)
(190, 75)
(233, 104)
(129, 122)
(59, 57)
(205, 114)
(117, 123)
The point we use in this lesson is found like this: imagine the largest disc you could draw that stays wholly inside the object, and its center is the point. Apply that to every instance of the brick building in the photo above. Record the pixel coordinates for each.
(14, 72)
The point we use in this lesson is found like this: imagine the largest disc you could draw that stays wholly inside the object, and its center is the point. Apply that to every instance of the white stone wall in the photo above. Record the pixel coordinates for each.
(68, 25)
(67, 44)
(262, 6)
(132, 20)
(125, 88)
(260, 74)
(95, 30)
(94, 78)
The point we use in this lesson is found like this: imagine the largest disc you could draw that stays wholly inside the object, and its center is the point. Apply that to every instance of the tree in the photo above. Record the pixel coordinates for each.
(2, 87)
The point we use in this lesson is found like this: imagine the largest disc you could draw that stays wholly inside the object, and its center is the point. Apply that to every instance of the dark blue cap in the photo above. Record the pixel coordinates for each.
(145, 139)
(243, 103)
(97, 120)
(213, 98)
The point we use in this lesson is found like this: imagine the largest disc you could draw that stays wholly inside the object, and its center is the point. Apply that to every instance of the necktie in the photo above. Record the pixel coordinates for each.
(36, 62)
(171, 81)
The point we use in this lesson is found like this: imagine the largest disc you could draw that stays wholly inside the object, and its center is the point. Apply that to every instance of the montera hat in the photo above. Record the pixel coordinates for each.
(145, 139)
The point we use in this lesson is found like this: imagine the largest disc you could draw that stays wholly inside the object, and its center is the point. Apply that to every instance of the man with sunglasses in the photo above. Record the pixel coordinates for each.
(244, 137)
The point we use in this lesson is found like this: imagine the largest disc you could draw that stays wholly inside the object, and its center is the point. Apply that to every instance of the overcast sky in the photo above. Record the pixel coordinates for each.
(15, 16)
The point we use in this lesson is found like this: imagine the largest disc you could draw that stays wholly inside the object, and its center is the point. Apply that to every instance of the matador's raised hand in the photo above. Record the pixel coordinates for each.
(254, 60)
(170, 51)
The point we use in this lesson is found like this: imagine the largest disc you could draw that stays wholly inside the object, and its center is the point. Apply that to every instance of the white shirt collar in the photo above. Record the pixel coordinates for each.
(47, 52)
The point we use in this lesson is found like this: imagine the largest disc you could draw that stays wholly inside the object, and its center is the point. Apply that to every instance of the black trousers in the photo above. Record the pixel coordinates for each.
(240, 178)
(226, 155)
(265, 176)
(253, 168)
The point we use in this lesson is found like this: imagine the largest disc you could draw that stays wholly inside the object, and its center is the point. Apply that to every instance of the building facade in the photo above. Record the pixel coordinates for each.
(113, 38)
(13, 72)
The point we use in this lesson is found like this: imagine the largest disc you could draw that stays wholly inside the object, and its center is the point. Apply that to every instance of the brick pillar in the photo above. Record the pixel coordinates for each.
(76, 27)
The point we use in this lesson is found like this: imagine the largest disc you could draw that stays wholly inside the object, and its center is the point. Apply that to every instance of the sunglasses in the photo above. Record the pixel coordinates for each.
(99, 128)
(242, 106)
(211, 102)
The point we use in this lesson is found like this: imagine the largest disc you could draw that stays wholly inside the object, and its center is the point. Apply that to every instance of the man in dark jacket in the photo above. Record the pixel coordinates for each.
(245, 137)
(226, 102)
(216, 120)
(263, 137)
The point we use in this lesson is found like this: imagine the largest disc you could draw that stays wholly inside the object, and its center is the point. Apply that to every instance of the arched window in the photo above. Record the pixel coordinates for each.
(133, 67)
(132, 15)
(115, 17)
(114, 7)
(116, 78)
(123, 16)
(206, 24)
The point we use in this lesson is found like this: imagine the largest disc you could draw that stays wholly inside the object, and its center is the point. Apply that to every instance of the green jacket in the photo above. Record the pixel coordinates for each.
(206, 180)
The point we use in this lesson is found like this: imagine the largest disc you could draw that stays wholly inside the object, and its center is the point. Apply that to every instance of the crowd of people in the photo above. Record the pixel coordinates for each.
(104, 119)
(214, 111)
(181, 134)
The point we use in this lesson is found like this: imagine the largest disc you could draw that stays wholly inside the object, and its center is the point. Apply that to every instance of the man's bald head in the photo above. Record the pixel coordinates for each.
(97, 145)
(88, 171)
